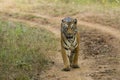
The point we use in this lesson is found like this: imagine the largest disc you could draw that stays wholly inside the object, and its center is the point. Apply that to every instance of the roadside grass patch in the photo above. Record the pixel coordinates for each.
(24, 50)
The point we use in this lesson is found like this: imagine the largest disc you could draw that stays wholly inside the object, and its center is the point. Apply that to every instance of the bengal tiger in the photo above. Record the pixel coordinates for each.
(69, 43)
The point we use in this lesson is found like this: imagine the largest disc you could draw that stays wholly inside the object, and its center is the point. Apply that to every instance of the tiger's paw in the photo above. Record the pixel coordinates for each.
(75, 66)
(66, 69)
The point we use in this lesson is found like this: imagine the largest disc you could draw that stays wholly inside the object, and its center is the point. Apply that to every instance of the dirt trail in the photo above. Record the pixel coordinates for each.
(105, 29)
(54, 72)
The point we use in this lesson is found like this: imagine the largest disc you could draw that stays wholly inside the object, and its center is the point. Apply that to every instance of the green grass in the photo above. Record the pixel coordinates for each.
(24, 50)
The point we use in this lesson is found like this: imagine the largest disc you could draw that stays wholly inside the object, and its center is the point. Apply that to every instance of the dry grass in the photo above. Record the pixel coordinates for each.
(90, 10)
(108, 18)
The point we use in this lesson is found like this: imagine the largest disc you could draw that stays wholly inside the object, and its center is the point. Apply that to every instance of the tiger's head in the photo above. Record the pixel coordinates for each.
(69, 27)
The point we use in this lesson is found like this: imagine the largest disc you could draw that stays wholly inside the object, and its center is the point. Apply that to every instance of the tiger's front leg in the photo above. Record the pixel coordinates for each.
(75, 55)
(65, 60)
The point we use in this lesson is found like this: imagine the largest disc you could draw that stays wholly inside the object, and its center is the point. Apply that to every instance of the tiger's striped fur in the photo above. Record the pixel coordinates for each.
(69, 43)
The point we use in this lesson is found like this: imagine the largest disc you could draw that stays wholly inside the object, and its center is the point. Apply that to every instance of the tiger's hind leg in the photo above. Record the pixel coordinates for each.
(75, 53)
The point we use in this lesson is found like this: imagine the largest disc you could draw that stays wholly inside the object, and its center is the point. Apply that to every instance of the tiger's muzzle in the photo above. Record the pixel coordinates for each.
(69, 36)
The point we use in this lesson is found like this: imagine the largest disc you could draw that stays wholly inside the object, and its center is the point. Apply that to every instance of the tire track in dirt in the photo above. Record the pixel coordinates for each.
(56, 30)
(105, 29)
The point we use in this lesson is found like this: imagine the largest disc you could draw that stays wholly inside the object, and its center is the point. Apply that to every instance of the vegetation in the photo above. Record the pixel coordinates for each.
(25, 8)
(23, 50)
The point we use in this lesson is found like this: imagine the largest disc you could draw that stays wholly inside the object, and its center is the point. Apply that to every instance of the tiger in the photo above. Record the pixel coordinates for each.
(69, 43)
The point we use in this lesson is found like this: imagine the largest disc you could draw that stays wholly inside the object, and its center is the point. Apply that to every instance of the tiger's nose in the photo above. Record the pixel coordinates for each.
(70, 35)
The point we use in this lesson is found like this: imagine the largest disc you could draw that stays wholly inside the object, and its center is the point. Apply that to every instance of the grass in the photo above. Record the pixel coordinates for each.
(57, 7)
(24, 9)
(24, 50)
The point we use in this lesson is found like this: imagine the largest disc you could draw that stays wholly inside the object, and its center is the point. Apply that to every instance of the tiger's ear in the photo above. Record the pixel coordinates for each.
(75, 21)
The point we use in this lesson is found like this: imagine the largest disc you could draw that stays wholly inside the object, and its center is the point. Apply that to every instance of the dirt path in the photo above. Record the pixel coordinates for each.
(105, 29)
(54, 72)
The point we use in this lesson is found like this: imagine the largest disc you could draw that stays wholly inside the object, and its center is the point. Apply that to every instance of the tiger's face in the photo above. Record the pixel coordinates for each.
(68, 27)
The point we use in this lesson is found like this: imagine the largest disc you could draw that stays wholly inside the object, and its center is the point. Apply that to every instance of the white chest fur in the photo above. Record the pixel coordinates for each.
(71, 44)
